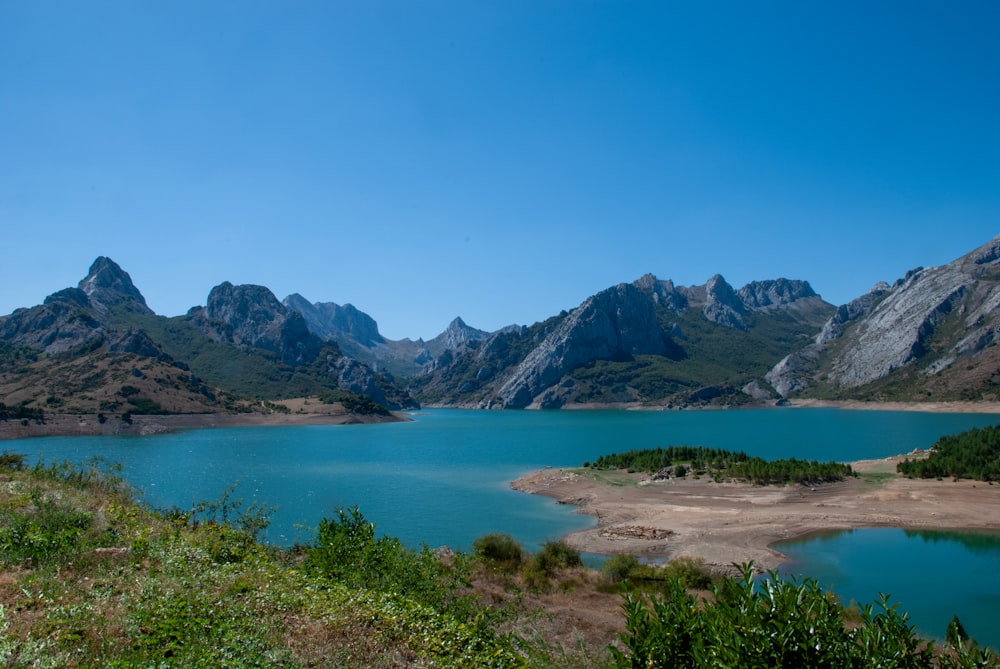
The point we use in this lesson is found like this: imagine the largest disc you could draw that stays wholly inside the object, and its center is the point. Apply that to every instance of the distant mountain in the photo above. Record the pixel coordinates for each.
(648, 341)
(98, 347)
(932, 334)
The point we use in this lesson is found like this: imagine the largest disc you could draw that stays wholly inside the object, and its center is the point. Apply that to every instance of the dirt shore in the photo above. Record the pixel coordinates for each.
(727, 523)
(89, 424)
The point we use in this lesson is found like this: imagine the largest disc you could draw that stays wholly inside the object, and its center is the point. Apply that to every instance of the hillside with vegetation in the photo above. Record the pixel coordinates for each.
(722, 465)
(974, 454)
(90, 578)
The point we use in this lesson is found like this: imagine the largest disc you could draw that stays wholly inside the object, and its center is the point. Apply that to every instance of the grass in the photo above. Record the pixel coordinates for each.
(92, 579)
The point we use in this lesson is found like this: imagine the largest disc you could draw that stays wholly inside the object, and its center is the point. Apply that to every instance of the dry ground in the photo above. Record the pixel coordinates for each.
(727, 523)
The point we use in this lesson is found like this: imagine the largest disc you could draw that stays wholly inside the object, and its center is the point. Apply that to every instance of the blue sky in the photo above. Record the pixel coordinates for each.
(498, 161)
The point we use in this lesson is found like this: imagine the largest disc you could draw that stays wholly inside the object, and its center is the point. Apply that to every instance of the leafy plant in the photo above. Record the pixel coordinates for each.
(774, 623)
(499, 548)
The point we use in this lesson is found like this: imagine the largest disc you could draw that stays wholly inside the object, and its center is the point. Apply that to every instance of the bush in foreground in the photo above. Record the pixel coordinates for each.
(776, 623)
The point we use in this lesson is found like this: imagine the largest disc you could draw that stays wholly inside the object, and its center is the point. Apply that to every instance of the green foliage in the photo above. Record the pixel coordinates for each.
(626, 569)
(21, 412)
(619, 567)
(974, 454)
(553, 556)
(11, 461)
(773, 623)
(499, 548)
(722, 464)
(347, 550)
(763, 472)
(44, 530)
(143, 406)
(353, 402)
(652, 460)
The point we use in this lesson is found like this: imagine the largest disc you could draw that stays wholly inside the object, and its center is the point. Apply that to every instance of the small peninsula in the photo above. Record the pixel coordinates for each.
(732, 523)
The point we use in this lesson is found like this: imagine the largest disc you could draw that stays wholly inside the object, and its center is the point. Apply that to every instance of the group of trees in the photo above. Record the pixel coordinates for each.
(724, 465)
(652, 460)
(974, 454)
(20, 412)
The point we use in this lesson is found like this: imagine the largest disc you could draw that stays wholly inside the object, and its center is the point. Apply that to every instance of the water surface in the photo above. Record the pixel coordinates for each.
(932, 574)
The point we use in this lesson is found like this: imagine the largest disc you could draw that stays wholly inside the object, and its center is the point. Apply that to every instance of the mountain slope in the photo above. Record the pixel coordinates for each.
(98, 347)
(648, 341)
(933, 333)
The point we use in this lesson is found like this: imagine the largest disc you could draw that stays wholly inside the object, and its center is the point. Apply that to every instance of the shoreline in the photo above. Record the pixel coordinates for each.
(957, 406)
(68, 425)
(732, 523)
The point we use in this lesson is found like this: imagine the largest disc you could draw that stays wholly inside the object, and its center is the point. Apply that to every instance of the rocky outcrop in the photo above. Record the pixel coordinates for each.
(935, 315)
(618, 322)
(456, 335)
(110, 287)
(75, 319)
(663, 293)
(723, 305)
(67, 321)
(252, 316)
(332, 321)
(900, 325)
(775, 293)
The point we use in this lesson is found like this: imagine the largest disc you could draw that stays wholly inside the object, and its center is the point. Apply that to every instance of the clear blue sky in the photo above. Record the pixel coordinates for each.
(500, 160)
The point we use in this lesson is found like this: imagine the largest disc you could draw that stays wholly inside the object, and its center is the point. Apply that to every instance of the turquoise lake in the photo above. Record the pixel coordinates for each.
(933, 575)
(444, 478)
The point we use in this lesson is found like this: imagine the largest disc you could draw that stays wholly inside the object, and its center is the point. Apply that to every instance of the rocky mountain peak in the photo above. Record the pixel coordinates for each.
(253, 316)
(332, 321)
(108, 285)
(616, 323)
(774, 293)
(722, 304)
(458, 333)
(662, 292)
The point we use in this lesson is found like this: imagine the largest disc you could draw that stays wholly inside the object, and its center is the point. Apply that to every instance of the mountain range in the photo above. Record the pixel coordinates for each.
(932, 334)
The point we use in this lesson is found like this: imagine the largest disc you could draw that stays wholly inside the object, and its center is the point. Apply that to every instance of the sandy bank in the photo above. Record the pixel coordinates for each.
(726, 523)
(88, 424)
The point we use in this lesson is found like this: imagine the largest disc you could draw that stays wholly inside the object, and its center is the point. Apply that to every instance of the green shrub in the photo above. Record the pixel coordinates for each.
(44, 530)
(11, 461)
(619, 567)
(499, 548)
(557, 555)
(774, 623)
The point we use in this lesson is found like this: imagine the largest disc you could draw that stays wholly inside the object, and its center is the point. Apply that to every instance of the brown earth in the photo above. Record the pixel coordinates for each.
(89, 424)
(732, 523)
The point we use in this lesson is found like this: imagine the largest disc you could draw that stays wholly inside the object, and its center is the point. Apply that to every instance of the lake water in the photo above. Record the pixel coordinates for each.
(444, 479)
(933, 575)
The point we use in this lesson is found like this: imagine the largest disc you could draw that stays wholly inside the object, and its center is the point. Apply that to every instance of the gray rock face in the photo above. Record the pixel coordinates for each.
(619, 321)
(252, 316)
(896, 330)
(108, 285)
(723, 305)
(774, 293)
(891, 327)
(663, 293)
(358, 378)
(333, 321)
(65, 322)
(456, 335)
